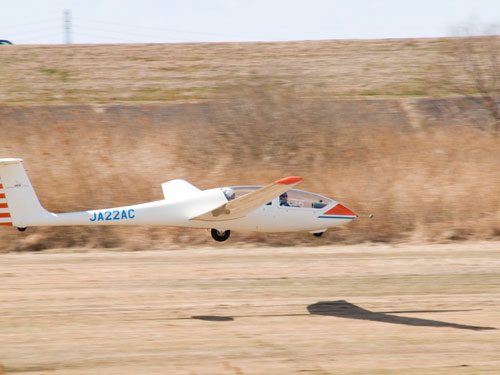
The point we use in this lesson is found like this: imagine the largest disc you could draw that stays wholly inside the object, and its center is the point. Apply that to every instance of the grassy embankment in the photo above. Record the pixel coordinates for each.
(180, 72)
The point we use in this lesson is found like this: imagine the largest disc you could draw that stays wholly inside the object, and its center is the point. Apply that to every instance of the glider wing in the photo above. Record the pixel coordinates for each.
(245, 204)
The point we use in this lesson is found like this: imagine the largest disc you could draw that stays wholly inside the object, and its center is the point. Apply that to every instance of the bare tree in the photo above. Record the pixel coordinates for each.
(477, 57)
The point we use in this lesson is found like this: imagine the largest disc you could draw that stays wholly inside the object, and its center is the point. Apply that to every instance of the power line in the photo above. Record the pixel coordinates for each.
(165, 29)
(26, 40)
(10, 27)
(82, 27)
(100, 36)
(150, 36)
(32, 31)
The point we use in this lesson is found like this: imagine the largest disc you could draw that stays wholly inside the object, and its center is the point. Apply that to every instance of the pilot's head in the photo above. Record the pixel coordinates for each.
(229, 193)
(284, 197)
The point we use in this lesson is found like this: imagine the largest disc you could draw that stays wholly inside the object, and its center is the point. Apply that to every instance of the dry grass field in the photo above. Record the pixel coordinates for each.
(343, 310)
(422, 184)
(181, 72)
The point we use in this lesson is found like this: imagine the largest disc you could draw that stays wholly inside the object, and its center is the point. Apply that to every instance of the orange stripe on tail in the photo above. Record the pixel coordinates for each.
(6, 224)
(4, 205)
(4, 214)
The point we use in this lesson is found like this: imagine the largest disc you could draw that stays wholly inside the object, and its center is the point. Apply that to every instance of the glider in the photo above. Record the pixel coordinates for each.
(276, 207)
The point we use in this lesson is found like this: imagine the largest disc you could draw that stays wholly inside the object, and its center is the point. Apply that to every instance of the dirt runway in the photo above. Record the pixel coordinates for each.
(359, 309)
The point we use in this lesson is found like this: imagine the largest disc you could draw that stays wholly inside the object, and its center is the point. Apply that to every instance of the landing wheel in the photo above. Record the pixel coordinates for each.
(318, 234)
(21, 229)
(220, 235)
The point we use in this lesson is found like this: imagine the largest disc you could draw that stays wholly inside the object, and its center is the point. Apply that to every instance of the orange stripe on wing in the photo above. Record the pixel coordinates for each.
(4, 214)
(4, 205)
(6, 224)
(289, 180)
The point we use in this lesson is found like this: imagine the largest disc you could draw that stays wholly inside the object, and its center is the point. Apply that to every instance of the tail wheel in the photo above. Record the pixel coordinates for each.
(318, 234)
(220, 235)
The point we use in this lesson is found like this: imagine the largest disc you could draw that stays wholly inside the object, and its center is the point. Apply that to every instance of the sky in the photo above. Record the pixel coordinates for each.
(170, 21)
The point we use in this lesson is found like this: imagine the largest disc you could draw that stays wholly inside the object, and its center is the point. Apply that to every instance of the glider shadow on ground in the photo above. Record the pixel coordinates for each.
(344, 309)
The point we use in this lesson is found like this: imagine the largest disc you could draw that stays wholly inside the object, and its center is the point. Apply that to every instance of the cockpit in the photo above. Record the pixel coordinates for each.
(229, 193)
(292, 198)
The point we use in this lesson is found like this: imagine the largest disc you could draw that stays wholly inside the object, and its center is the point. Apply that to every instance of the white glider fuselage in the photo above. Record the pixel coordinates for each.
(243, 208)
(268, 218)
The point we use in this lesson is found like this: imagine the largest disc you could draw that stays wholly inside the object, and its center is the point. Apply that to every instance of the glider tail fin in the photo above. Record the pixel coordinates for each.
(19, 205)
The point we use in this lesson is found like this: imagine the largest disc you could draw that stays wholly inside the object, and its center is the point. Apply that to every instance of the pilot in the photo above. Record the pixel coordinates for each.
(284, 200)
(229, 193)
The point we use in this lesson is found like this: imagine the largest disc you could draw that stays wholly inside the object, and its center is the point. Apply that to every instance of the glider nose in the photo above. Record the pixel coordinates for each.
(339, 212)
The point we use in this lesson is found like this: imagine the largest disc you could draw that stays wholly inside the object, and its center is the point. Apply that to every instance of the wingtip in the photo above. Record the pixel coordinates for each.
(289, 180)
(10, 160)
